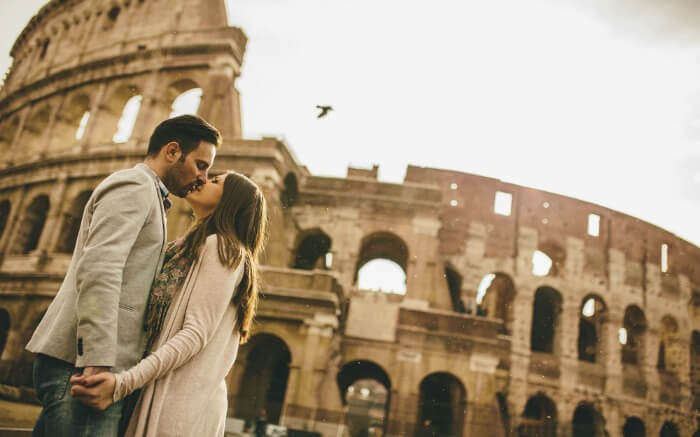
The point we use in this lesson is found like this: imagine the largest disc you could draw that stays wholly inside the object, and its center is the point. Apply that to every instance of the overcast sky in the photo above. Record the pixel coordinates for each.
(593, 99)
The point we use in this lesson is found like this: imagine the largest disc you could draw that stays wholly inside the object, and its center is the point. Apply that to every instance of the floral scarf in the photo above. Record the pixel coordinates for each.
(166, 285)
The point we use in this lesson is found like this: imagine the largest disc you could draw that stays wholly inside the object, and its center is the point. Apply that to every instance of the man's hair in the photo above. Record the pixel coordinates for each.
(187, 130)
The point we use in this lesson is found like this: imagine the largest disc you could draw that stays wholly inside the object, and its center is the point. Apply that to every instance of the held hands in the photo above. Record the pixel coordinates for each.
(96, 390)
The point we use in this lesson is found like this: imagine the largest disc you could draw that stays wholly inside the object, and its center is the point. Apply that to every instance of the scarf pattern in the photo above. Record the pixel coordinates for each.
(166, 285)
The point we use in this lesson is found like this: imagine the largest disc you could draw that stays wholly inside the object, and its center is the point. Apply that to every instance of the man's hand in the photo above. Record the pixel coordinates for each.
(95, 391)
(94, 370)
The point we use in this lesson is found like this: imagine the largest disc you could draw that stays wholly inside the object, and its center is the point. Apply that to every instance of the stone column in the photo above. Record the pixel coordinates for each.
(95, 105)
(45, 142)
(13, 152)
(148, 113)
(613, 351)
(216, 104)
(54, 222)
(651, 352)
(17, 201)
(17, 218)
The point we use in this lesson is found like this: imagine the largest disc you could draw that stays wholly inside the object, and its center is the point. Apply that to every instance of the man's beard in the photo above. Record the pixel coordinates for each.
(173, 184)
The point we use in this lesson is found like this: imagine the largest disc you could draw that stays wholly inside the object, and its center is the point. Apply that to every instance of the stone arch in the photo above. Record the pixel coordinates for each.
(8, 131)
(266, 359)
(539, 418)
(312, 249)
(290, 193)
(635, 326)
(454, 286)
(5, 209)
(497, 292)
(365, 390)
(4, 328)
(32, 225)
(34, 129)
(118, 114)
(544, 335)
(384, 246)
(442, 406)
(184, 97)
(555, 253)
(592, 316)
(669, 429)
(71, 121)
(634, 427)
(71, 223)
(587, 422)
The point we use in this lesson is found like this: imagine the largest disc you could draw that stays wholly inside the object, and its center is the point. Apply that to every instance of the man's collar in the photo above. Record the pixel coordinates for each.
(163, 189)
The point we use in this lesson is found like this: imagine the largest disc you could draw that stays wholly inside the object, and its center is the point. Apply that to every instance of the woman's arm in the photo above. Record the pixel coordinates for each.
(211, 296)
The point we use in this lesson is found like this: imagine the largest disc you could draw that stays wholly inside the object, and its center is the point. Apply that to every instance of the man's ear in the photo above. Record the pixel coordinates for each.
(172, 151)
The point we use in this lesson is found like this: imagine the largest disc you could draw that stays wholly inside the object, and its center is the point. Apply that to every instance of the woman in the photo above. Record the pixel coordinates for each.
(201, 307)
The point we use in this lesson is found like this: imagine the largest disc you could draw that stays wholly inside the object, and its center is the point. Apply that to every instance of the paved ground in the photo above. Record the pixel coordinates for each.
(16, 415)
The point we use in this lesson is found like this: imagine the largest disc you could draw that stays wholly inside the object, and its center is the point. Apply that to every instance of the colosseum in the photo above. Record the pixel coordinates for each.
(521, 313)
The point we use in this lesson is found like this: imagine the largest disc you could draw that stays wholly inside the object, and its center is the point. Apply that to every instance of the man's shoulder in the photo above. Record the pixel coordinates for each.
(134, 175)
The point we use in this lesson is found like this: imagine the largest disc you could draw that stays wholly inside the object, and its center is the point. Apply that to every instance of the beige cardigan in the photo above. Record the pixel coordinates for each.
(184, 392)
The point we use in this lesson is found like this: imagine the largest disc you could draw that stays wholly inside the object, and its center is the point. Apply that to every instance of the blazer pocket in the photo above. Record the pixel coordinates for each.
(125, 307)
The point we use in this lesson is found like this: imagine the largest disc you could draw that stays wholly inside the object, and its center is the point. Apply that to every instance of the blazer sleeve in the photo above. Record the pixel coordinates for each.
(120, 210)
(211, 296)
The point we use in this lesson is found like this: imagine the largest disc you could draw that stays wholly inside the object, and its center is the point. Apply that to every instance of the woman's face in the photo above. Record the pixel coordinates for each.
(205, 199)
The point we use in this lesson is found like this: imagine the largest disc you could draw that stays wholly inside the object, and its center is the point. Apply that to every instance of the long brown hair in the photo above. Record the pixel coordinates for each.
(240, 225)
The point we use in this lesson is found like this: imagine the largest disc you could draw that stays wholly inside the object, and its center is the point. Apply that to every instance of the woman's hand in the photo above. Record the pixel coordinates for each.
(95, 391)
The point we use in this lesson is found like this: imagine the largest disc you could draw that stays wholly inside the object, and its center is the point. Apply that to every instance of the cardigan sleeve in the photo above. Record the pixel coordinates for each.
(212, 294)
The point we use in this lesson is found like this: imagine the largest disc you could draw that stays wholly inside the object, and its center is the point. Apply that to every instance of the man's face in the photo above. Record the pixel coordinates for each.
(187, 174)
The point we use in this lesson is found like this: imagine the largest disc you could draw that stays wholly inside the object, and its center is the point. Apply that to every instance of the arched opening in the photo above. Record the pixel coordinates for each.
(32, 225)
(312, 250)
(71, 122)
(4, 328)
(591, 319)
(186, 103)
(548, 259)
(290, 194)
(185, 96)
(71, 223)
(669, 429)
(8, 131)
(117, 115)
(364, 389)
(454, 285)
(442, 406)
(33, 131)
(634, 427)
(382, 263)
(4, 215)
(587, 422)
(125, 125)
(634, 330)
(539, 418)
(266, 360)
(495, 298)
(545, 321)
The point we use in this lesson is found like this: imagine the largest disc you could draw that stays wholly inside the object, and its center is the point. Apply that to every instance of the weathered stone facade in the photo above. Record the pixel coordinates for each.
(446, 365)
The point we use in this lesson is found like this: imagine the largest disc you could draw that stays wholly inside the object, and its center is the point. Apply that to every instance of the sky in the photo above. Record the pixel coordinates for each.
(592, 99)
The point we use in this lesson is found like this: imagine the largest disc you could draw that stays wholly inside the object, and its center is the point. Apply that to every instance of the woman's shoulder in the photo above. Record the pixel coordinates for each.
(211, 250)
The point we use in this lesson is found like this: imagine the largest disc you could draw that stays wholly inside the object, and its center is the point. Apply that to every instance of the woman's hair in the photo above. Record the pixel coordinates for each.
(240, 225)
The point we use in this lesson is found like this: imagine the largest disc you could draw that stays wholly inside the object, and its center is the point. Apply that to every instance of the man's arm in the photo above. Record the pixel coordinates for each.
(120, 212)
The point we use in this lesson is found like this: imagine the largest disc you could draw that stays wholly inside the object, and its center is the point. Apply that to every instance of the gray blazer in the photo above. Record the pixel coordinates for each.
(96, 318)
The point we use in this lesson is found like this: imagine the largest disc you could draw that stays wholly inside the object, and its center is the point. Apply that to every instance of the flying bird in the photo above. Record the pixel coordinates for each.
(324, 110)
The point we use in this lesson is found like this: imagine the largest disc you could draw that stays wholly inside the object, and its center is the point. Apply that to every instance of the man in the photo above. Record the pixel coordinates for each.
(95, 322)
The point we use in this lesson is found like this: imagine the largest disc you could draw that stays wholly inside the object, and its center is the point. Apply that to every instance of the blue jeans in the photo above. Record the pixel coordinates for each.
(63, 416)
